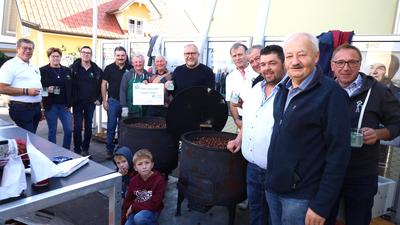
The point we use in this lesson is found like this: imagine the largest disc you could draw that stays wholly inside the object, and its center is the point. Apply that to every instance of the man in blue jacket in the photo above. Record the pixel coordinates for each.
(310, 143)
(375, 111)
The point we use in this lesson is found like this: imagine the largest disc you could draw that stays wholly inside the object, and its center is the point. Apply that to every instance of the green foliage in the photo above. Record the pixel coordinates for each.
(3, 58)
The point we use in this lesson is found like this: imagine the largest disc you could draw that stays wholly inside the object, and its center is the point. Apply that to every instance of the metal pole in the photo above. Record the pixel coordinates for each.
(203, 45)
(396, 29)
(261, 23)
(97, 115)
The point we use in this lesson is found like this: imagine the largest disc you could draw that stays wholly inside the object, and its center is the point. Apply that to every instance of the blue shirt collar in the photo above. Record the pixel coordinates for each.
(353, 88)
(303, 84)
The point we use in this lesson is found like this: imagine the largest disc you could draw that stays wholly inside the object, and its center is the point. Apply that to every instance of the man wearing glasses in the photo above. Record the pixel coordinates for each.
(192, 73)
(86, 83)
(375, 115)
(21, 81)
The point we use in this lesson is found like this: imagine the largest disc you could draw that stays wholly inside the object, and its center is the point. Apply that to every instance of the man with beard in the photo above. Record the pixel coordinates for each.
(309, 149)
(110, 92)
(255, 135)
(192, 73)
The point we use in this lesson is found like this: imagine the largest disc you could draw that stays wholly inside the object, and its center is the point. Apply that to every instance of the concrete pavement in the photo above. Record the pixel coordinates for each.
(93, 208)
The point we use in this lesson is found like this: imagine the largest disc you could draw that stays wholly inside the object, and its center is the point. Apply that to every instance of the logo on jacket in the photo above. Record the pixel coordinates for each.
(143, 195)
(359, 106)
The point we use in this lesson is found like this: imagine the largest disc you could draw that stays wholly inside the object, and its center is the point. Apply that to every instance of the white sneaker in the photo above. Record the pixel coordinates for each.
(243, 205)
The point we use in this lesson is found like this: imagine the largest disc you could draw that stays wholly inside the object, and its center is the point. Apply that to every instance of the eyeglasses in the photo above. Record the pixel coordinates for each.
(350, 63)
(189, 53)
(27, 48)
(86, 53)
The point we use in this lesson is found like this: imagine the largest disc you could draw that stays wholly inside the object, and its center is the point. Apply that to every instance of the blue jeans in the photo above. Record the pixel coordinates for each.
(26, 116)
(286, 211)
(62, 112)
(144, 217)
(83, 112)
(358, 195)
(113, 115)
(258, 207)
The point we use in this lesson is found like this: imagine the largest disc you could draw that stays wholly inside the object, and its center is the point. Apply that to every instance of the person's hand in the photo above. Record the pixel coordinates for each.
(169, 85)
(145, 82)
(129, 211)
(122, 171)
(105, 105)
(50, 89)
(233, 145)
(313, 219)
(370, 136)
(97, 102)
(239, 104)
(33, 91)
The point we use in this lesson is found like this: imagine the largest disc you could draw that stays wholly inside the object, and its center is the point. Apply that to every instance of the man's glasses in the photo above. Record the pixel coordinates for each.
(27, 48)
(350, 63)
(189, 53)
(86, 53)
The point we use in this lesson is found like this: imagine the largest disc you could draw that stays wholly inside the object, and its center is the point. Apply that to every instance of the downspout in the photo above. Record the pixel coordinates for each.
(261, 23)
(97, 115)
(396, 29)
(203, 42)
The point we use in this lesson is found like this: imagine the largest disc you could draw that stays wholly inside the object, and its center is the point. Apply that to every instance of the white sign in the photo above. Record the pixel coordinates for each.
(148, 94)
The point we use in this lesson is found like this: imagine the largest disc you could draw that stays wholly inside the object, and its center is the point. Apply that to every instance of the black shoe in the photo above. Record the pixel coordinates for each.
(85, 153)
(110, 155)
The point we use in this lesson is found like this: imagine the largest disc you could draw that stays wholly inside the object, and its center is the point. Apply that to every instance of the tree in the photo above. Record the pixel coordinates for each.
(3, 58)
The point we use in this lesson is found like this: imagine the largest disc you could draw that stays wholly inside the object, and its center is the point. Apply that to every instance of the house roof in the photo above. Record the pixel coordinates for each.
(175, 21)
(71, 16)
(119, 6)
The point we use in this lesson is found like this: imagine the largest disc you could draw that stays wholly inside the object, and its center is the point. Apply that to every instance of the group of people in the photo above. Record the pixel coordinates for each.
(298, 128)
(300, 131)
(53, 90)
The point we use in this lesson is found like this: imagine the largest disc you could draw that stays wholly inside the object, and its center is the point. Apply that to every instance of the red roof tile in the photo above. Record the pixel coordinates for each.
(71, 16)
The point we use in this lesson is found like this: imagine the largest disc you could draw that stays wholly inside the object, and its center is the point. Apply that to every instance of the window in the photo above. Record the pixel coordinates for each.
(135, 27)
(9, 22)
(25, 31)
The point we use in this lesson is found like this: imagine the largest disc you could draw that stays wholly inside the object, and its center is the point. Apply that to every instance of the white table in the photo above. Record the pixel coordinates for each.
(90, 178)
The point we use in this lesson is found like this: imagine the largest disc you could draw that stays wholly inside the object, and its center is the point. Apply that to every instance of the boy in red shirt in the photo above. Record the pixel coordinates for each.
(143, 202)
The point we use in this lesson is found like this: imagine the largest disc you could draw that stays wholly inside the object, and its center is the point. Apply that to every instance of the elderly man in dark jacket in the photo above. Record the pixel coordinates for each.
(310, 143)
(375, 112)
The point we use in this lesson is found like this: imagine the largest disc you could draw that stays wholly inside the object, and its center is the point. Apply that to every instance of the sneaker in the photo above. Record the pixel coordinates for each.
(115, 141)
(243, 205)
(85, 153)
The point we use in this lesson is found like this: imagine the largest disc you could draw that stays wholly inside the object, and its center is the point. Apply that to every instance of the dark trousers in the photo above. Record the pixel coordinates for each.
(25, 115)
(83, 111)
(358, 195)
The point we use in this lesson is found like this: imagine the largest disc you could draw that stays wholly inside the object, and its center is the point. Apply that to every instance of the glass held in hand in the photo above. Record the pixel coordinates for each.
(169, 85)
(56, 90)
(45, 92)
(124, 112)
(235, 97)
(357, 138)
